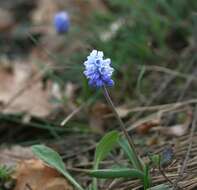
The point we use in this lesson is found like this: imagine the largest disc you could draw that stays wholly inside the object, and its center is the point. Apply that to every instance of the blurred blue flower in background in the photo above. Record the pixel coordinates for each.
(62, 22)
(98, 70)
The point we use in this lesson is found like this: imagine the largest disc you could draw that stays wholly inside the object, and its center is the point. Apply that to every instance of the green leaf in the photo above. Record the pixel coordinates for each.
(5, 172)
(140, 77)
(155, 159)
(147, 178)
(118, 173)
(105, 145)
(161, 187)
(54, 160)
(130, 153)
(135, 162)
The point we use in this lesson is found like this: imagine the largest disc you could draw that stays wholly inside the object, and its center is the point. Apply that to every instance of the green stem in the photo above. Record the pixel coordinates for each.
(129, 138)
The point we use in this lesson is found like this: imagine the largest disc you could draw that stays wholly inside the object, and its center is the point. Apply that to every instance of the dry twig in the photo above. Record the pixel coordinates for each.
(188, 150)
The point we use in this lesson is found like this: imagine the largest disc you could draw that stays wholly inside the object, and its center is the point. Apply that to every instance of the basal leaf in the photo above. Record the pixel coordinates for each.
(106, 144)
(54, 160)
(118, 173)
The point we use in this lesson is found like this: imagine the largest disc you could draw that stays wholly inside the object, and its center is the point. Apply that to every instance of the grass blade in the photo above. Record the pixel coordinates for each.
(129, 152)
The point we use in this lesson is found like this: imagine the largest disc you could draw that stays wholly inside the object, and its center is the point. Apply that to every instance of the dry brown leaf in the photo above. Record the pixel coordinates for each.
(152, 118)
(176, 130)
(11, 156)
(34, 100)
(6, 20)
(43, 15)
(122, 111)
(42, 18)
(145, 127)
(33, 174)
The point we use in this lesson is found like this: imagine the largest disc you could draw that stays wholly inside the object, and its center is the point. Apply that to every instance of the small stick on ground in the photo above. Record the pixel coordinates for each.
(164, 175)
(175, 187)
(71, 115)
(28, 186)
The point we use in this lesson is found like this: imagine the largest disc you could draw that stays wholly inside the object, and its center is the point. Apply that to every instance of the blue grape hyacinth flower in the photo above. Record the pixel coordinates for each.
(98, 70)
(61, 22)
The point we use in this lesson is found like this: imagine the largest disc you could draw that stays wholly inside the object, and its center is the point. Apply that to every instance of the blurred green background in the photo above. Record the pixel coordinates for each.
(152, 45)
